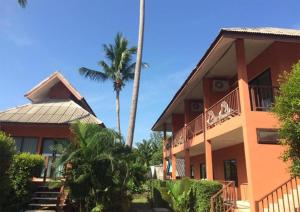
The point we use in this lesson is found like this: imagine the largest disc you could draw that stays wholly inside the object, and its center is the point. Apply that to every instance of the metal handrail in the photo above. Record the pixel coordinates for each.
(224, 199)
(273, 198)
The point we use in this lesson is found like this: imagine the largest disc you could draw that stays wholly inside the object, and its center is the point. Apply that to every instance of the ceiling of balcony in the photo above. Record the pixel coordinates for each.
(219, 63)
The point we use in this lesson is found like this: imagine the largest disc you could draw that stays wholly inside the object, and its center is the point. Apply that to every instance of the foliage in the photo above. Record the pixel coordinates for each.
(149, 152)
(23, 168)
(118, 67)
(184, 195)
(7, 149)
(287, 109)
(102, 169)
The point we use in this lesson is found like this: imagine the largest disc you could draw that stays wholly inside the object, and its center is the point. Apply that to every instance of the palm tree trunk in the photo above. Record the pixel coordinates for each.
(118, 112)
(137, 72)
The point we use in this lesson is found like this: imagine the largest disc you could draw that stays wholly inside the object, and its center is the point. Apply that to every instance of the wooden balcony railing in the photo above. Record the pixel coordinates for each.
(262, 97)
(225, 108)
(195, 127)
(179, 137)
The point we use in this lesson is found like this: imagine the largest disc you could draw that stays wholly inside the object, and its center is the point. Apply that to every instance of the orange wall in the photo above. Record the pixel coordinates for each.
(177, 122)
(39, 131)
(233, 152)
(279, 56)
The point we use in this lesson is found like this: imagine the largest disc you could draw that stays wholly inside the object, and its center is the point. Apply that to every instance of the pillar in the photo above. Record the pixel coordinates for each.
(174, 168)
(164, 153)
(249, 133)
(207, 143)
(40, 145)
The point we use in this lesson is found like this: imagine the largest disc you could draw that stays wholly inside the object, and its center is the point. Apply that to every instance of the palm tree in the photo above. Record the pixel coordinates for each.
(137, 72)
(120, 68)
(22, 3)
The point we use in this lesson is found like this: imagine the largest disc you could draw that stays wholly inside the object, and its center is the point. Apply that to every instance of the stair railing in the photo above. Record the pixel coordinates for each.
(286, 197)
(225, 199)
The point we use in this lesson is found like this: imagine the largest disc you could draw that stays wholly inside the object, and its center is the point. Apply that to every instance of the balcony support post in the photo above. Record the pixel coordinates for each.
(249, 132)
(164, 152)
(207, 143)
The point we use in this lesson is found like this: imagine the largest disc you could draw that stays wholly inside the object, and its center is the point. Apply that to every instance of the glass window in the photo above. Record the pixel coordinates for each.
(267, 136)
(202, 171)
(18, 141)
(230, 171)
(192, 172)
(50, 143)
(26, 144)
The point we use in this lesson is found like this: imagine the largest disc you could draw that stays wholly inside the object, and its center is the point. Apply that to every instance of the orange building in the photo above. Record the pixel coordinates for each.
(220, 119)
(37, 126)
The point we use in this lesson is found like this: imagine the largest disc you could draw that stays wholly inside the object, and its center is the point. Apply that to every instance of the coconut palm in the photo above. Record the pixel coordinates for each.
(119, 68)
(137, 72)
(22, 3)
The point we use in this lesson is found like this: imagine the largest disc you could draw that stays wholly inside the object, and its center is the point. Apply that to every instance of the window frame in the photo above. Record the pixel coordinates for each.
(203, 175)
(22, 141)
(270, 142)
(231, 178)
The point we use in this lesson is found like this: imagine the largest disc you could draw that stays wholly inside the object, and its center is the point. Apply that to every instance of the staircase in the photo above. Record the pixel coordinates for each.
(285, 197)
(46, 199)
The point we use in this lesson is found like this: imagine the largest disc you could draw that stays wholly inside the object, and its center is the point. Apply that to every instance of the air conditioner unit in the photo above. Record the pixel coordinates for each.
(220, 85)
(197, 106)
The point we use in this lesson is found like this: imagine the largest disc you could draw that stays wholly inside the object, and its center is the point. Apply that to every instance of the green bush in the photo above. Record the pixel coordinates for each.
(24, 166)
(203, 191)
(183, 195)
(7, 149)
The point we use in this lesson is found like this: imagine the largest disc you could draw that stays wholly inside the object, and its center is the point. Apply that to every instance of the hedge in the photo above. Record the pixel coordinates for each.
(24, 166)
(184, 195)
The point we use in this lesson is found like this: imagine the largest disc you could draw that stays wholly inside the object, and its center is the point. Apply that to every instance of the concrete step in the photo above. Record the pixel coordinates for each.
(42, 205)
(40, 211)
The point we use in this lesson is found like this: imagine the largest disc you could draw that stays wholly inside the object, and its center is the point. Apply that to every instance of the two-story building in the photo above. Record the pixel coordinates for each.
(220, 118)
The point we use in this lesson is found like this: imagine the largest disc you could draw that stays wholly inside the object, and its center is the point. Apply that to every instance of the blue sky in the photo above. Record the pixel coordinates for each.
(65, 35)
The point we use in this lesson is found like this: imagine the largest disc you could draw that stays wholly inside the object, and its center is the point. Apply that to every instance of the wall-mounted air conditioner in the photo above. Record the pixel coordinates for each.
(220, 85)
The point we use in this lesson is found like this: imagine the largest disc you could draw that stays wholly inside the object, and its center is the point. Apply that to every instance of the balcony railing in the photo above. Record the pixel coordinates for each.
(226, 108)
(195, 127)
(179, 137)
(262, 97)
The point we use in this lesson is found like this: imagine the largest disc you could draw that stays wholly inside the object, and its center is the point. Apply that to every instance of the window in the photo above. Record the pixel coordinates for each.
(26, 144)
(192, 174)
(49, 149)
(202, 171)
(49, 145)
(262, 92)
(267, 136)
(230, 171)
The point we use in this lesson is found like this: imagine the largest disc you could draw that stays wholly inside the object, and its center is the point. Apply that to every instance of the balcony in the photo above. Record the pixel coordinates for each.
(195, 127)
(262, 97)
(226, 108)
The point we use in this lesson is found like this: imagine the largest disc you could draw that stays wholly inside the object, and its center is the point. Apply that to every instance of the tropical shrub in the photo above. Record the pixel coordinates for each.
(183, 195)
(287, 109)
(7, 149)
(103, 169)
(24, 166)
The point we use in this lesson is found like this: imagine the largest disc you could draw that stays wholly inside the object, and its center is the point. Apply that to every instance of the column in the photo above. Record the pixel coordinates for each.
(207, 143)
(164, 153)
(249, 133)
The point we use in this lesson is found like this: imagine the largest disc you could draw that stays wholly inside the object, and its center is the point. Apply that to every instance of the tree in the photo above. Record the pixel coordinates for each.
(150, 151)
(101, 169)
(22, 3)
(119, 68)
(137, 72)
(287, 109)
